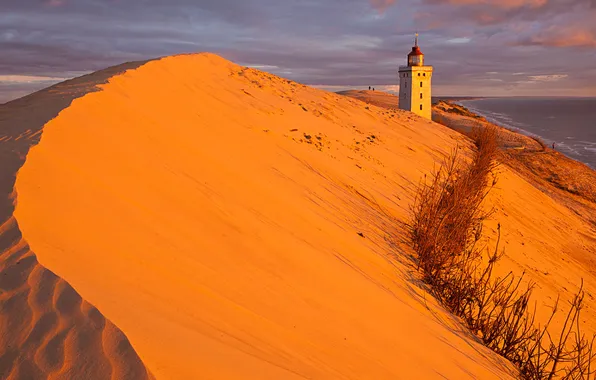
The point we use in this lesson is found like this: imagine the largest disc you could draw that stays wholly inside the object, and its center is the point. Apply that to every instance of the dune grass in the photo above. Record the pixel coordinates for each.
(446, 230)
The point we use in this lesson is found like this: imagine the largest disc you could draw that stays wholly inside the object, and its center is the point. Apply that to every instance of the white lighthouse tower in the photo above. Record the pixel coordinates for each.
(414, 84)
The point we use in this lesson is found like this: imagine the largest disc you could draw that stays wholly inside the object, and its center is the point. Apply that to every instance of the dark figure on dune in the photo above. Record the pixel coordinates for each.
(553, 145)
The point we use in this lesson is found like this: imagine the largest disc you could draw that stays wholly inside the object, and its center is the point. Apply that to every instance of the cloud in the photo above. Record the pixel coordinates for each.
(459, 40)
(502, 4)
(382, 5)
(55, 3)
(548, 78)
(550, 23)
(29, 79)
(262, 67)
(345, 43)
(394, 89)
(562, 37)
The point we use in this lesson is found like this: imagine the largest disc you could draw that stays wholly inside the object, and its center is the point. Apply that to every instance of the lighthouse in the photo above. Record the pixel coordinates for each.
(414, 84)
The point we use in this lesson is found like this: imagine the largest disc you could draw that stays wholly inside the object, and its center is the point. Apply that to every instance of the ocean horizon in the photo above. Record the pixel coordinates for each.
(568, 122)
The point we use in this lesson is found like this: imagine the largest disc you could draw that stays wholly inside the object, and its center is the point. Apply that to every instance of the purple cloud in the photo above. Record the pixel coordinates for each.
(327, 42)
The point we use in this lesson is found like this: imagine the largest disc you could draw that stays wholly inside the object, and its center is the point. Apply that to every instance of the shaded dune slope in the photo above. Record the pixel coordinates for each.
(238, 225)
(46, 329)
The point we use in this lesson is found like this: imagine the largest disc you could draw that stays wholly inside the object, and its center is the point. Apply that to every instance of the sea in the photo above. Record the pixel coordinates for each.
(568, 122)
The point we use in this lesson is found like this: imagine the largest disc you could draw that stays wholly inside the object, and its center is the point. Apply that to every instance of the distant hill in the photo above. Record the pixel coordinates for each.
(377, 98)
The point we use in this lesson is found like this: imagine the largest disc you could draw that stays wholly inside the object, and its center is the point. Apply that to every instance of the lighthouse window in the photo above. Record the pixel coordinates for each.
(421, 107)
(420, 95)
(418, 74)
(420, 84)
(424, 74)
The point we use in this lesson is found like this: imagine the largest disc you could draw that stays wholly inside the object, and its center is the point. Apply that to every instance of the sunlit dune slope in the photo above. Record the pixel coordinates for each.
(548, 227)
(47, 331)
(237, 225)
(548, 235)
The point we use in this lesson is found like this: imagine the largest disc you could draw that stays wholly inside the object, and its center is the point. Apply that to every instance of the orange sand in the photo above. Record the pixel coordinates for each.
(213, 213)
(546, 236)
(182, 204)
(47, 331)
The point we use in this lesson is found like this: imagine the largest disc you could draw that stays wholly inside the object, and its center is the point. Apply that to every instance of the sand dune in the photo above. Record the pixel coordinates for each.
(236, 225)
(377, 98)
(46, 329)
(548, 233)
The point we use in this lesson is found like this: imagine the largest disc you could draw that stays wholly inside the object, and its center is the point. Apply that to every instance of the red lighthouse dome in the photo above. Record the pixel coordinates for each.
(416, 58)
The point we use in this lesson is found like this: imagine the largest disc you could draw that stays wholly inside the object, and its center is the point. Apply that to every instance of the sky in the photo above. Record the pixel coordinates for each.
(477, 47)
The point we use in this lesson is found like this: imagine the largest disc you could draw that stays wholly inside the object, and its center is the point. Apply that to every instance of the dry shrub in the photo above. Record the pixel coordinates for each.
(447, 213)
(446, 231)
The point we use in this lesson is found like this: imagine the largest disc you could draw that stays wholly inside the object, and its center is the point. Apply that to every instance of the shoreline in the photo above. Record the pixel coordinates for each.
(491, 119)
(548, 141)
(565, 178)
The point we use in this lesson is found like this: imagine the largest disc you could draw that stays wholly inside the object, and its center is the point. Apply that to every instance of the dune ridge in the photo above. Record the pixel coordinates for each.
(234, 224)
(47, 331)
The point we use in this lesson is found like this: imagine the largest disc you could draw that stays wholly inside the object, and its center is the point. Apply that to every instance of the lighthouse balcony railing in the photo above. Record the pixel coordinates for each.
(406, 67)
